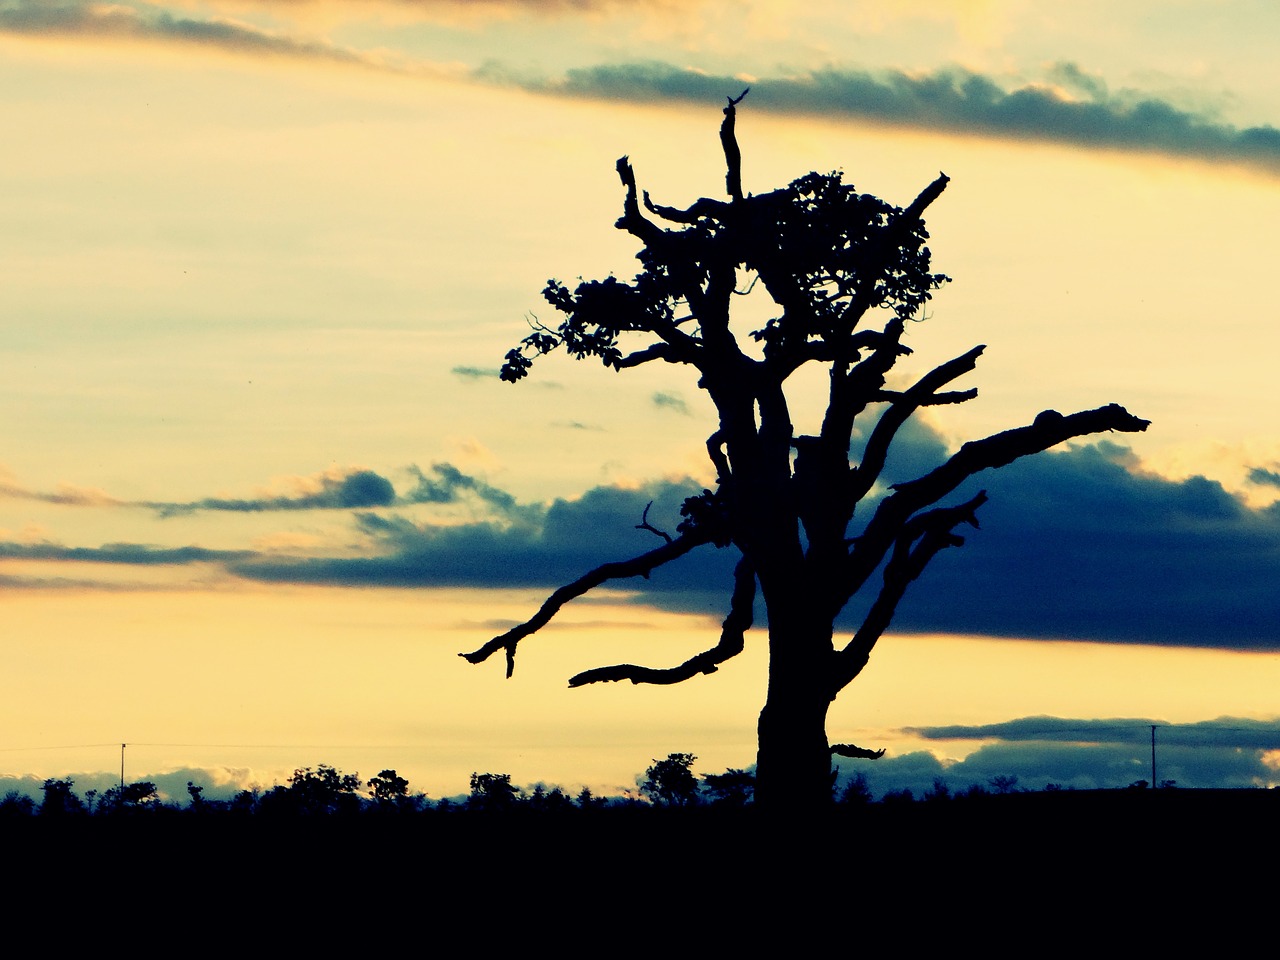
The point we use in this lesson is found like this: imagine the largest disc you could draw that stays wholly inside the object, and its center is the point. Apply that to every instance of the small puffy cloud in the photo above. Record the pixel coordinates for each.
(1264, 477)
(355, 489)
(665, 400)
(475, 373)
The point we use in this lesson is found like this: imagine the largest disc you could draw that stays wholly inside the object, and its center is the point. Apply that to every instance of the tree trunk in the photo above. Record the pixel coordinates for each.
(793, 765)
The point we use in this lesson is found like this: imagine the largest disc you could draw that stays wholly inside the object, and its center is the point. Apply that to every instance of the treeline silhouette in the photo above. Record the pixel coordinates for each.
(325, 791)
(336, 846)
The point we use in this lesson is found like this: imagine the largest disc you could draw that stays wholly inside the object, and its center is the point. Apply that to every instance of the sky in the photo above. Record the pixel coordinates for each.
(260, 483)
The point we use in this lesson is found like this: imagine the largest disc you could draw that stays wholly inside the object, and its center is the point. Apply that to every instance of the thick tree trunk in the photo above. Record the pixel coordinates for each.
(793, 765)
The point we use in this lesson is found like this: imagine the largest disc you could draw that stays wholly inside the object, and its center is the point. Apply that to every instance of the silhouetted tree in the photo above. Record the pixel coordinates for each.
(15, 804)
(846, 272)
(59, 799)
(492, 791)
(670, 782)
(586, 800)
(324, 790)
(388, 788)
(733, 788)
(1003, 783)
(857, 792)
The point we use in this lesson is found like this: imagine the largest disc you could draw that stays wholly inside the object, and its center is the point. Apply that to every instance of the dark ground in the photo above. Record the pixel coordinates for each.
(1117, 865)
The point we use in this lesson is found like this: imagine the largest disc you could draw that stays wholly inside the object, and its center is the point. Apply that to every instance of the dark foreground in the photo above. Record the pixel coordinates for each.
(1068, 863)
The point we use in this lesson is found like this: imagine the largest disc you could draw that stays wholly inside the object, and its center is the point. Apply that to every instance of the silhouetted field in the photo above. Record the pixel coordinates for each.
(1068, 858)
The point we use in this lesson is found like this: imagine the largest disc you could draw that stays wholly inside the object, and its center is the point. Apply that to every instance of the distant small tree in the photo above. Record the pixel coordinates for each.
(388, 790)
(842, 275)
(733, 788)
(15, 804)
(324, 790)
(492, 792)
(670, 782)
(59, 799)
(1003, 783)
(857, 792)
(586, 800)
(938, 793)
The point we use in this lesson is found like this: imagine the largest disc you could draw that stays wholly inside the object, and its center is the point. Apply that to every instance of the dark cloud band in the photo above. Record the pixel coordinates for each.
(951, 100)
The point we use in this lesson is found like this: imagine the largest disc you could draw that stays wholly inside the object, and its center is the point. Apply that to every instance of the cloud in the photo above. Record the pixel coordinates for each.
(354, 490)
(1075, 544)
(1229, 752)
(1264, 477)
(475, 373)
(1065, 105)
(447, 484)
(1068, 106)
(1233, 732)
(1078, 543)
(340, 489)
(670, 401)
(81, 19)
(134, 554)
(1081, 544)
(526, 546)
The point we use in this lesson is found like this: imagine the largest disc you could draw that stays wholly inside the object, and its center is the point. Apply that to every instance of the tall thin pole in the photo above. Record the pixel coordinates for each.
(122, 746)
(1153, 757)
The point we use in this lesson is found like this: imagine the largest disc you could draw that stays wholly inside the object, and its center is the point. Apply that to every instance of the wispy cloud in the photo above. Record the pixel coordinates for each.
(1077, 544)
(1066, 106)
(343, 489)
(83, 19)
(475, 373)
(1235, 732)
(1063, 104)
(670, 401)
(132, 554)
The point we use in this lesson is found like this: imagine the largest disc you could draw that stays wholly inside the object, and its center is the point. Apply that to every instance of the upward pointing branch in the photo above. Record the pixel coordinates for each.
(732, 155)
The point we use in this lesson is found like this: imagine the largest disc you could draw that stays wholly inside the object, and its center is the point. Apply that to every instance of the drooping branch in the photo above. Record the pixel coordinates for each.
(640, 566)
(920, 541)
(732, 641)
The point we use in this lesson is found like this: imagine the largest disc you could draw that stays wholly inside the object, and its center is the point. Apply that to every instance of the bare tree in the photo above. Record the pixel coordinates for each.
(847, 272)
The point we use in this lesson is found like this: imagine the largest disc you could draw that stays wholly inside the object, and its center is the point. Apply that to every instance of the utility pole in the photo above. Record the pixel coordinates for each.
(1153, 757)
(122, 746)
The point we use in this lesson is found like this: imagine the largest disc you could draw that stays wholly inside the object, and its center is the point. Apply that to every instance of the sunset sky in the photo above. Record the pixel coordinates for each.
(259, 482)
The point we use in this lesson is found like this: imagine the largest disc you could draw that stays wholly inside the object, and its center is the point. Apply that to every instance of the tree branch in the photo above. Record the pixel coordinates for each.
(916, 396)
(732, 155)
(1049, 429)
(703, 207)
(657, 351)
(921, 539)
(732, 641)
(860, 753)
(890, 240)
(641, 566)
(644, 524)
